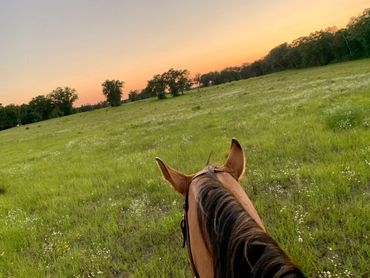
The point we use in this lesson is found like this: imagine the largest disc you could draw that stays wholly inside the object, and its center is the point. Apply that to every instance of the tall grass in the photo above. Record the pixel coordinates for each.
(81, 196)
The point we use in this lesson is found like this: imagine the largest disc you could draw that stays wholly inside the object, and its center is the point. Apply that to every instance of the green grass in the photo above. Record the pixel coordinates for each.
(81, 196)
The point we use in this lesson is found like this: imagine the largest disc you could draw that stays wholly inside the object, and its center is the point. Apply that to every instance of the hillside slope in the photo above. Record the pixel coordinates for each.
(82, 196)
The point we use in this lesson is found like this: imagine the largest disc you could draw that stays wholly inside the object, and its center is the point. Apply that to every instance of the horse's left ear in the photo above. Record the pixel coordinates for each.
(179, 181)
(235, 162)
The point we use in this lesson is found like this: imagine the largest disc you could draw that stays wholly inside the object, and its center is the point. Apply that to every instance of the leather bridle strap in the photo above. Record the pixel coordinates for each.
(184, 224)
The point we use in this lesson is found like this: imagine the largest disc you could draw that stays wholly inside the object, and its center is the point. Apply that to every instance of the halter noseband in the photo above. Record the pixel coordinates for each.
(184, 224)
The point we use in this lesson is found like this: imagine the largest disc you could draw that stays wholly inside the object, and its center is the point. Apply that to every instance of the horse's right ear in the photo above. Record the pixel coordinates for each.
(235, 162)
(179, 181)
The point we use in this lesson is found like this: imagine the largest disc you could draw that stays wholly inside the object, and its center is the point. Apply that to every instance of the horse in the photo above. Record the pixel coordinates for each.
(223, 231)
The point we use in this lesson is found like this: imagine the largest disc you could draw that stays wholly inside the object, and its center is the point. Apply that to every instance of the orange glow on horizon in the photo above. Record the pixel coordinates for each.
(139, 82)
(208, 41)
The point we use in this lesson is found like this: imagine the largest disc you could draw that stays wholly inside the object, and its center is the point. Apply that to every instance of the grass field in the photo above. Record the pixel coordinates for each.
(81, 196)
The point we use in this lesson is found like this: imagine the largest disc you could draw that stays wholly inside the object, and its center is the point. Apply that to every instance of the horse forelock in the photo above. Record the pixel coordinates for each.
(239, 247)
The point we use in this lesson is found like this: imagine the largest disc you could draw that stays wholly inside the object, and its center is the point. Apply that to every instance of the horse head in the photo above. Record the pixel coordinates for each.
(223, 231)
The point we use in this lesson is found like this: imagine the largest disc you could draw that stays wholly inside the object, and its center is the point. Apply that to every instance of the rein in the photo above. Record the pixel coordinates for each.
(184, 224)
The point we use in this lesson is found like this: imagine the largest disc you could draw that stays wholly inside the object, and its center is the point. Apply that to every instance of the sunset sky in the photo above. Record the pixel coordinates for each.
(80, 43)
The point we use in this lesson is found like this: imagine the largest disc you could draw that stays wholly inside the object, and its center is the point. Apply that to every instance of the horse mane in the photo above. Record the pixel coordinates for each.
(240, 248)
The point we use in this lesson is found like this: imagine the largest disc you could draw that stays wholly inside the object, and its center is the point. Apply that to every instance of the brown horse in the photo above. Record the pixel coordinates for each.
(224, 234)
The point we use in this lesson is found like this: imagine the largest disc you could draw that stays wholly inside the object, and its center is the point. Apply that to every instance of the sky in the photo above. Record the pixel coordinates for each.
(45, 44)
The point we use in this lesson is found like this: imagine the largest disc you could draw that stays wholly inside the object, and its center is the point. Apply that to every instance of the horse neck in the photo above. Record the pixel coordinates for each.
(201, 256)
(234, 234)
(234, 188)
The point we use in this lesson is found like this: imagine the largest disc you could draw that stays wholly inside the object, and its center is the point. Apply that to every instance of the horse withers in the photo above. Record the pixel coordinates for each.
(223, 231)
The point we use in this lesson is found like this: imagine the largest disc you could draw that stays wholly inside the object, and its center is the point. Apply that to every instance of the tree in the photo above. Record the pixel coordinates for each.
(133, 95)
(277, 58)
(42, 107)
(359, 34)
(177, 81)
(230, 74)
(293, 58)
(156, 87)
(62, 100)
(145, 93)
(9, 116)
(210, 78)
(89, 107)
(257, 68)
(174, 82)
(197, 79)
(112, 90)
(27, 115)
(2, 117)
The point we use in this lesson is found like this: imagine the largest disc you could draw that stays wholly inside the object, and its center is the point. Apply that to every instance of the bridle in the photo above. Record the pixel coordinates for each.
(184, 224)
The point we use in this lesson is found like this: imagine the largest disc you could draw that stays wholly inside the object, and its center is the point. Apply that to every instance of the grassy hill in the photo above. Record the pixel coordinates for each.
(81, 196)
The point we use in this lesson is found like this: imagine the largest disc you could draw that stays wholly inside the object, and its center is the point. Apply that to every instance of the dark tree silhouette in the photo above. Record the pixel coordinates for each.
(9, 116)
(173, 82)
(133, 95)
(156, 87)
(42, 107)
(112, 90)
(318, 48)
(176, 81)
(62, 100)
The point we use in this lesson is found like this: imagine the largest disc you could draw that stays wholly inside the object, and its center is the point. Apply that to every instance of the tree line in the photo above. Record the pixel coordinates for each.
(172, 82)
(56, 104)
(60, 101)
(317, 49)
